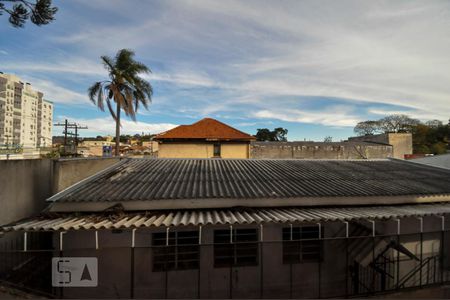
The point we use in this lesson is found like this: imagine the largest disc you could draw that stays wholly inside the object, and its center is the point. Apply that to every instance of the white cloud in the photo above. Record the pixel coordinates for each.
(338, 116)
(107, 126)
(182, 78)
(56, 93)
(80, 68)
(77, 66)
(241, 54)
(382, 52)
(416, 114)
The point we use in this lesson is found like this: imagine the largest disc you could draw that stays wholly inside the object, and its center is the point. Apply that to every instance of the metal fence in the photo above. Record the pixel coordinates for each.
(306, 268)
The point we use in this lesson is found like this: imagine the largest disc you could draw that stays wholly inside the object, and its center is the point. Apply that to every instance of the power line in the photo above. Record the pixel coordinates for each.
(67, 125)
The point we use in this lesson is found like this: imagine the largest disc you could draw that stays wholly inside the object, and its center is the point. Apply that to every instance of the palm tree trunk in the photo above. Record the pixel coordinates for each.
(118, 129)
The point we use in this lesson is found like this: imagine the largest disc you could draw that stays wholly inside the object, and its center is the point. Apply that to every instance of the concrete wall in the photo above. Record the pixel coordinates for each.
(202, 150)
(69, 171)
(270, 278)
(234, 150)
(318, 150)
(25, 184)
(401, 142)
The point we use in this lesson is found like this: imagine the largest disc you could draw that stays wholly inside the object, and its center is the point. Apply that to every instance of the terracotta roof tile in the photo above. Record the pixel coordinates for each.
(205, 129)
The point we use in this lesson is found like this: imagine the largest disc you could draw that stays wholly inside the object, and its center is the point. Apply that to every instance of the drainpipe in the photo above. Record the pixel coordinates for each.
(96, 240)
(373, 251)
(442, 247)
(261, 262)
(421, 250)
(25, 241)
(320, 259)
(346, 258)
(398, 254)
(199, 260)
(133, 243)
(61, 241)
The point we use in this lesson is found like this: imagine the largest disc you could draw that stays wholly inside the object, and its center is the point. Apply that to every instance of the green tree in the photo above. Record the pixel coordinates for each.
(277, 135)
(280, 134)
(429, 137)
(40, 12)
(125, 88)
(434, 123)
(421, 149)
(367, 128)
(264, 134)
(438, 148)
(397, 123)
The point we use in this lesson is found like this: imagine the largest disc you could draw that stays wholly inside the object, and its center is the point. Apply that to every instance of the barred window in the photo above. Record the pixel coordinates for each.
(237, 247)
(181, 253)
(301, 244)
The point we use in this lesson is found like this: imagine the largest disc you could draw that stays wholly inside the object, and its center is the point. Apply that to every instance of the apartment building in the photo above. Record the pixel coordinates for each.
(25, 117)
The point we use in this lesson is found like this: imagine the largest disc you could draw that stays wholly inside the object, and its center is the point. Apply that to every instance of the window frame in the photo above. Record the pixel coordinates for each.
(217, 146)
(169, 257)
(293, 251)
(234, 250)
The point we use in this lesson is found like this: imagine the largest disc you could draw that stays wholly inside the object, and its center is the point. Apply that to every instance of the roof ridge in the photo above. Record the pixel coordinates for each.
(205, 128)
(227, 125)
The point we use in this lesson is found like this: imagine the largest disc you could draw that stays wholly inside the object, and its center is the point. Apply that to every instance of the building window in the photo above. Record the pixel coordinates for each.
(216, 150)
(301, 244)
(236, 247)
(179, 252)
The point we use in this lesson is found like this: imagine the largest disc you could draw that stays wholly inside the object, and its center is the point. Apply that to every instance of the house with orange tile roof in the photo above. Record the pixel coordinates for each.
(207, 138)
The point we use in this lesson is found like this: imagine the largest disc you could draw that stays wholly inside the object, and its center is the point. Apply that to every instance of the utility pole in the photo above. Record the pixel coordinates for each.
(67, 126)
(65, 134)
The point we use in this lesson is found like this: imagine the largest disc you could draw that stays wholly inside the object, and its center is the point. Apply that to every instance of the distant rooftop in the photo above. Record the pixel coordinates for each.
(205, 129)
(442, 161)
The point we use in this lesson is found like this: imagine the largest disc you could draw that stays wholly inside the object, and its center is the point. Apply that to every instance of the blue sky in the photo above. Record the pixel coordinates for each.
(313, 67)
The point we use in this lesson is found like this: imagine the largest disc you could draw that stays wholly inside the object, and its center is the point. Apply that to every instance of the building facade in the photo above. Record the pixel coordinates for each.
(207, 138)
(240, 228)
(25, 116)
(320, 150)
(401, 142)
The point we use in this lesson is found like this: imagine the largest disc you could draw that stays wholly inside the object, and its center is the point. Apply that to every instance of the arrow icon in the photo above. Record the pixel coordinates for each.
(86, 275)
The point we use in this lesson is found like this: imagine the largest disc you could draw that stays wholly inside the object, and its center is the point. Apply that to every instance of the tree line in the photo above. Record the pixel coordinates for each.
(430, 137)
(277, 135)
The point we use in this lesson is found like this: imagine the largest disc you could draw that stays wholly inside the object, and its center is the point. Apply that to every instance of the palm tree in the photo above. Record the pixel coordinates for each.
(124, 87)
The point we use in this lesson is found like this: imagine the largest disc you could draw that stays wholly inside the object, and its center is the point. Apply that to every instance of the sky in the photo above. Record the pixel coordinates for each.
(314, 67)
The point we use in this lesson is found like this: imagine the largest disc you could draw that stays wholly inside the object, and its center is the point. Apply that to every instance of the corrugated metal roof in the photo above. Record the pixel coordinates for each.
(442, 160)
(57, 222)
(159, 179)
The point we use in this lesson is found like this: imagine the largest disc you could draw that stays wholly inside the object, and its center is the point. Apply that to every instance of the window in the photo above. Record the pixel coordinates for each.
(216, 150)
(237, 247)
(301, 244)
(181, 253)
